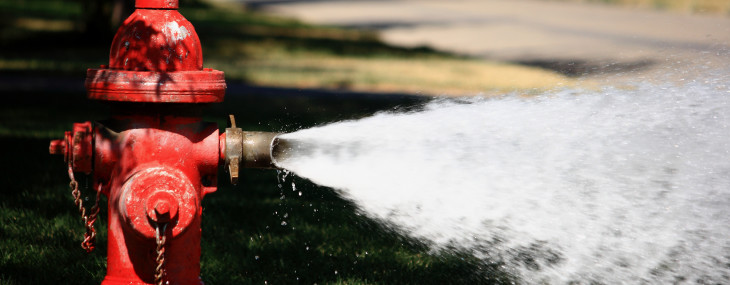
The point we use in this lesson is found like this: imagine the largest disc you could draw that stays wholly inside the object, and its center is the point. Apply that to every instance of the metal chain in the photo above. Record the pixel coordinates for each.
(89, 241)
(160, 259)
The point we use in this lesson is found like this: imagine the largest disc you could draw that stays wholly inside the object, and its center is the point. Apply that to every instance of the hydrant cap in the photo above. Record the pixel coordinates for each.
(154, 191)
(156, 4)
(156, 56)
(156, 40)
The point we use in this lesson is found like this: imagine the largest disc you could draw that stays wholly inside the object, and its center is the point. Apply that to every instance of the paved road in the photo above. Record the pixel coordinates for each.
(546, 33)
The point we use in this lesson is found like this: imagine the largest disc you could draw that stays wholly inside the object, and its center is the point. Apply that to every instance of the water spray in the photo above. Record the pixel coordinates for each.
(570, 187)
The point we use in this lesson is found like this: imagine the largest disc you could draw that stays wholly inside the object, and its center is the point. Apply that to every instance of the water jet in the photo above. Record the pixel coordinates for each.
(573, 186)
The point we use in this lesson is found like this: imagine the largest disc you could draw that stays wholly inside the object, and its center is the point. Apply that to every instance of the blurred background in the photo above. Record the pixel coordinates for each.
(296, 64)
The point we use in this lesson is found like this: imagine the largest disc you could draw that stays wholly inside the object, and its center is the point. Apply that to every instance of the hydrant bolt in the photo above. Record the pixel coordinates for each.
(161, 207)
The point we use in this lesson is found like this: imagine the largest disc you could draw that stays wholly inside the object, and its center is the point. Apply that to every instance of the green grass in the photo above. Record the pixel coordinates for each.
(271, 51)
(713, 7)
(42, 37)
(39, 235)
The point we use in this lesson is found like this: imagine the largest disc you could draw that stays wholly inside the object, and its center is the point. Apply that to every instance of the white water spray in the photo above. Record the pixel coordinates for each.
(616, 186)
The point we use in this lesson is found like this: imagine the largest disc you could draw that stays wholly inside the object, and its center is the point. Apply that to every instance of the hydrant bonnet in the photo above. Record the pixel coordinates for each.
(156, 56)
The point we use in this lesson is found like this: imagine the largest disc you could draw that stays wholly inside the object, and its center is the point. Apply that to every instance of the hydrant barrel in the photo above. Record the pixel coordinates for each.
(156, 161)
(158, 171)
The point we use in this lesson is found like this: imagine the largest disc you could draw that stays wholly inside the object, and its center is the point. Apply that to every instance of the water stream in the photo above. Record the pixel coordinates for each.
(618, 185)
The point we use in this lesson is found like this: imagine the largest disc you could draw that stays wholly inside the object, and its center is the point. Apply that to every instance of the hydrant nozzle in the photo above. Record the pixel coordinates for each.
(244, 149)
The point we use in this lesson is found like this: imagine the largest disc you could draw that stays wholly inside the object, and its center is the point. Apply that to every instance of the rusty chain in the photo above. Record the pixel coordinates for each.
(90, 236)
(160, 259)
(89, 241)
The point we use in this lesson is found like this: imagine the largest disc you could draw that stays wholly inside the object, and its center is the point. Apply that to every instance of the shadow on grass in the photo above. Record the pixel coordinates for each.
(253, 233)
(224, 34)
(40, 233)
(578, 68)
(281, 237)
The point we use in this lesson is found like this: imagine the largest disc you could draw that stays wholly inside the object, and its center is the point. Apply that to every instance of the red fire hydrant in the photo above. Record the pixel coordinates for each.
(155, 159)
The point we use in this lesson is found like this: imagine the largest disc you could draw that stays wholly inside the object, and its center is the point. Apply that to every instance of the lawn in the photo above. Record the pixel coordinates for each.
(43, 37)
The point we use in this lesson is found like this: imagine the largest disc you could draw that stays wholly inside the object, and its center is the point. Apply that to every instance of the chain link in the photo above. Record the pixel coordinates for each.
(90, 236)
(160, 259)
(89, 241)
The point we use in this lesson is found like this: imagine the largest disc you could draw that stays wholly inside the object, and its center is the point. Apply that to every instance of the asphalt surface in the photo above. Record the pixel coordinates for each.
(573, 38)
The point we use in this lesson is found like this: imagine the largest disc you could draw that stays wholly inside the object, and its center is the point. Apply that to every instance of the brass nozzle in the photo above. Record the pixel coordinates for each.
(247, 149)
(258, 148)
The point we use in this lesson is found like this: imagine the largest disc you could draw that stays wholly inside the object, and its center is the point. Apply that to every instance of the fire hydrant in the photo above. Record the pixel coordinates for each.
(155, 159)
